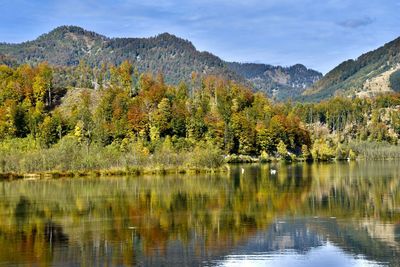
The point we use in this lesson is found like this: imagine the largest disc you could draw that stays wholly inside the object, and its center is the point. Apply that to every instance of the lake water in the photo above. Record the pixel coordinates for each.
(344, 214)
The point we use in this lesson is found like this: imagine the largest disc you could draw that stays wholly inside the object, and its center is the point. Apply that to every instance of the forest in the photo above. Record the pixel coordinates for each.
(113, 117)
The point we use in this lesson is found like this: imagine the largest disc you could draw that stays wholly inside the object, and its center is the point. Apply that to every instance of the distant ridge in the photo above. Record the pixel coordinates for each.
(176, 58)
(372, 73)
(281, 82)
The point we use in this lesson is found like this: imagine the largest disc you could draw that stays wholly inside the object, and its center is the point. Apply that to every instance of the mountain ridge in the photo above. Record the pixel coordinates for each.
(278, 81)
(175, 57)
(352, 77)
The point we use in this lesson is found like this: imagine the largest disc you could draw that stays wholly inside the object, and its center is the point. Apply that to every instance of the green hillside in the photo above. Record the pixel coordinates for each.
(176, 58)
(367, 75)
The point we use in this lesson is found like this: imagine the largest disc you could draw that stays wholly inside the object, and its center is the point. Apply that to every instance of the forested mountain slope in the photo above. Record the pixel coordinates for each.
(374, 72)
(68, 45)
(176, 58)
(277, 81)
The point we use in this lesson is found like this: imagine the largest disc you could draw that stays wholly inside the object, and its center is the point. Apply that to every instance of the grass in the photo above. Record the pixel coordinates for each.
(376, 150)
(20, 158)
(134, 171)
(69, 159)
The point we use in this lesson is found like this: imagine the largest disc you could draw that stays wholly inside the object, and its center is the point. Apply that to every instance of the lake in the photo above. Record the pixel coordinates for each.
(339, 214)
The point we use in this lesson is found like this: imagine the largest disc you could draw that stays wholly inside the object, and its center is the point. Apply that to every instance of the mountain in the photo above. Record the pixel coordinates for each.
(176, 58)
(277, 81)
(67, 45)
(372, 73)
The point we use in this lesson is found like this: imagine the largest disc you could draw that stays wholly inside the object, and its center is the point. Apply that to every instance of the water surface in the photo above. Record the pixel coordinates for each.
(344, 214)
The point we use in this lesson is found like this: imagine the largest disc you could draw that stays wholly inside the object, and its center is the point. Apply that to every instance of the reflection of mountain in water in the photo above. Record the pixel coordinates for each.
(302, 235)
(284, 237)
(355, 239)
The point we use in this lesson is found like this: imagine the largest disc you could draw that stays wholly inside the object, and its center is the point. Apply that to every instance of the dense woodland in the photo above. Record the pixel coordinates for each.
(119, 113)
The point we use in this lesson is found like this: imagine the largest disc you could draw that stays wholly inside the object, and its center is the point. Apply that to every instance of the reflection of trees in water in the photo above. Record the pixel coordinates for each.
(207, 212)
(54, 234)
(356, 190)
(28, 236)
(22, 211)
(132, 220)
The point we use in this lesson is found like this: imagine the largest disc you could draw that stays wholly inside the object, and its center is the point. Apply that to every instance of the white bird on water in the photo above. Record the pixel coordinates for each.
(242, 170)
(272, 171)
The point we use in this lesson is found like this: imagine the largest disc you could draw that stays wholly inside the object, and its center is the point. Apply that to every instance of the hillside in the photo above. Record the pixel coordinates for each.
(277, 81)
(371, 73)
(176, 58)
(6, 60)
(67, 45)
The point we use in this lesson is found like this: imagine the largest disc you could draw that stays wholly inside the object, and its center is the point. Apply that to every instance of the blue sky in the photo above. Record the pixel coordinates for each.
(319, 34)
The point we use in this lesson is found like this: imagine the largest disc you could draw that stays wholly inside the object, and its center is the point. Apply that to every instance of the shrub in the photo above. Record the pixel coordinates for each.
(264, 157)
(341, 153)
(352, 155)
(321, 151)
(282, 150)
(205, 156)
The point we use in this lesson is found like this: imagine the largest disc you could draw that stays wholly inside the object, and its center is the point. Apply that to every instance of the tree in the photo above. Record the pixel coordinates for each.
(305, 152)
(264, 139)
(49, 131)
(125, 75)
(161, 117)
(322, 151)
(215, 129)
(100, 75)
(245, 134)
(179, 116)
(84, 75)
(138, 118)
(282, 150)
(43, 84)
(85, 125)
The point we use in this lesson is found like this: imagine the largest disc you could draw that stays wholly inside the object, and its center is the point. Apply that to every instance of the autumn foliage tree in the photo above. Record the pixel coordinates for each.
(115, 105)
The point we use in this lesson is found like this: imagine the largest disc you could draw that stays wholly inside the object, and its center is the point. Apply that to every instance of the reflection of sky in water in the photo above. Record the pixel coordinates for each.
(327, 255)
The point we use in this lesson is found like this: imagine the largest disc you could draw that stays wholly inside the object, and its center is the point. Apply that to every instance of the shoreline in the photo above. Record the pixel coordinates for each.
(131, 171)
(139, 171)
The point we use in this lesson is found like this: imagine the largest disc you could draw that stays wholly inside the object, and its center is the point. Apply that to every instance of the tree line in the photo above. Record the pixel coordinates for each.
(117, 104)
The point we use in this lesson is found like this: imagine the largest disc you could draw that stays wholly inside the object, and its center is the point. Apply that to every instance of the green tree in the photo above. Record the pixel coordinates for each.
(282, 150)
(42, 84)
(49, 131)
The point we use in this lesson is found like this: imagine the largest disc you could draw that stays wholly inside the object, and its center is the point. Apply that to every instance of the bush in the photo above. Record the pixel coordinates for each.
(282, 151)
(264, 157)
(352, 155)
(70, 155)
(341, 153)
(321, 151)
(205, 156)
(305, 153)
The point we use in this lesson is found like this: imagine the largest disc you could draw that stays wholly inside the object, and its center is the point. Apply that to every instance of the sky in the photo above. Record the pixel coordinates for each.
(319, 34)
